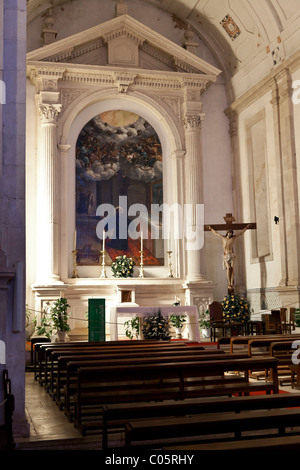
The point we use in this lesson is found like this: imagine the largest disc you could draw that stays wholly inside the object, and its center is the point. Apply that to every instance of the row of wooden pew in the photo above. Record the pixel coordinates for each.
(131, 385)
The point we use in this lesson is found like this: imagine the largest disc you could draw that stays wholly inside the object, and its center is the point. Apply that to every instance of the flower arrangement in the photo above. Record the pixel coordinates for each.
(122, 266)
(235, 309)
(156, 327)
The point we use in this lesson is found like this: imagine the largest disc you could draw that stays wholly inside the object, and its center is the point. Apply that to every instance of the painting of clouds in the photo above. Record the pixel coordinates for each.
(118, 154)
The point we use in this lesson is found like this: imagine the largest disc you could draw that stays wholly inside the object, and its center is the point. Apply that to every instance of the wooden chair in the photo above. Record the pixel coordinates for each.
(285, 324)
(217, 321)
(273, 323)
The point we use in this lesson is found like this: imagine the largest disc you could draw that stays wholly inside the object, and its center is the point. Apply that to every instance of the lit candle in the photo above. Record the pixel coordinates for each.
(75, 240)
(103, 241)
(141, 241)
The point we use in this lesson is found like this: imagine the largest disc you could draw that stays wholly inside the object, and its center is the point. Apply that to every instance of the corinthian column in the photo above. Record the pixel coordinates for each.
(47, 197)
(193, 195)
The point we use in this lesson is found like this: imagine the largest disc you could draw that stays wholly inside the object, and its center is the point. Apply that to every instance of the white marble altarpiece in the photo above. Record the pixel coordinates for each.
(123, 66)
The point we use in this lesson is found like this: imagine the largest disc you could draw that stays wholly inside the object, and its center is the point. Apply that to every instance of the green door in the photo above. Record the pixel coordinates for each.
(96, 316)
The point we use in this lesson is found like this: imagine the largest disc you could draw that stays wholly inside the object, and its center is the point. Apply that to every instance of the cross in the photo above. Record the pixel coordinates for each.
(230, 225)
(228, 241)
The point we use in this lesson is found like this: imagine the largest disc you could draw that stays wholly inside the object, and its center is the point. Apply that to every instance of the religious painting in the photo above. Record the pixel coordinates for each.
(118, 158)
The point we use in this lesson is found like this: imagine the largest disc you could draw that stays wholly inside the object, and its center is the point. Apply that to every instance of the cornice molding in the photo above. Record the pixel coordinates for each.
(41, 73)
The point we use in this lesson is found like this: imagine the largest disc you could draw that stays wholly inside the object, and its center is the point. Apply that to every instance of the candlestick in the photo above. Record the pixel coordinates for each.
(170, 274)
(75, 240)
(75, 272)
(103, 273)
(142, 265)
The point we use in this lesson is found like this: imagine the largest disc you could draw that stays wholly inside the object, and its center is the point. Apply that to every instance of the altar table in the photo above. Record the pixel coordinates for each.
(190, 311)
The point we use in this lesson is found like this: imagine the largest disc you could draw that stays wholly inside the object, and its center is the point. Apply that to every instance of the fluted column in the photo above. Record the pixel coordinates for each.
(193, 194)
(47, 197)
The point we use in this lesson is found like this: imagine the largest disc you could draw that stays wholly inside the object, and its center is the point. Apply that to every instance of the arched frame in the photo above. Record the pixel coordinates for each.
(171, 135)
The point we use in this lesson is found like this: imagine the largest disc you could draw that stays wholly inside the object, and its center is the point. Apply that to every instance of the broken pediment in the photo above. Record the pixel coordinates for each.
(123, 42)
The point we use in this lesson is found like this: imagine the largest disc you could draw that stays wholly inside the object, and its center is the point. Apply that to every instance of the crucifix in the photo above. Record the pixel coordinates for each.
(228, 241)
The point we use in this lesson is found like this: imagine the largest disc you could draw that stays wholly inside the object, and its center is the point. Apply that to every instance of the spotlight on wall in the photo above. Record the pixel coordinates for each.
(276, 219)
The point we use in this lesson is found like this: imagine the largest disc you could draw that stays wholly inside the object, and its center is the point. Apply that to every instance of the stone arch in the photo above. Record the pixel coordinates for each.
(84, 108)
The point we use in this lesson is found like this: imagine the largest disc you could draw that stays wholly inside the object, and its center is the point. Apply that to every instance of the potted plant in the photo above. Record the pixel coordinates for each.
(178, 321)
(59, 316)
(297, 317)
(132, 327)
(204, 323)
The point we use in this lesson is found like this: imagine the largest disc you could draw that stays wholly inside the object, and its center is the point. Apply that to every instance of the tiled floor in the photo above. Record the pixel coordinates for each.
(49, 427)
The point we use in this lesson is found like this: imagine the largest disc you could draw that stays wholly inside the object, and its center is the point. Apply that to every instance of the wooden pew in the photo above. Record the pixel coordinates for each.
(40, 348)
(64, 370)
(8, 403)
(70, 387)
(183, 429)
(116, 416)
(165, 381)
(47, 367)
(277, 443)
(267, 342)
(90, 348)
(244, 340)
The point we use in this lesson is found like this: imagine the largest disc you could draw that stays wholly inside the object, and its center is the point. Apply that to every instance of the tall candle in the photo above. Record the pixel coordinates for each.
(103, 240)
(75, 240)
(141, 241)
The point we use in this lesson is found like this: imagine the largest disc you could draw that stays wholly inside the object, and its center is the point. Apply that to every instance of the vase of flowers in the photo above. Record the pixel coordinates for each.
(122, 266)
(235, 309)
(156, 327)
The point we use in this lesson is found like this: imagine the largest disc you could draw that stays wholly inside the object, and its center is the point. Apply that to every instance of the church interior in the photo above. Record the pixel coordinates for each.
(149, 209)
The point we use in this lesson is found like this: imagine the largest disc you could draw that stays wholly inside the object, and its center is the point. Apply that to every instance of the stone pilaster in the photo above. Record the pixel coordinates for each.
(286, 178)
(48, 197)
(193, 192)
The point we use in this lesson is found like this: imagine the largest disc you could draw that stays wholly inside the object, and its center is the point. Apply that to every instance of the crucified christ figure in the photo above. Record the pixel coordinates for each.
(228, 253)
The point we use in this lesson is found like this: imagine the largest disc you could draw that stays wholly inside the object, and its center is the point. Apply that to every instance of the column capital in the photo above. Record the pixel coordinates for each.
(64, 147)
(192, 121)
(49, 112)
(178, 154)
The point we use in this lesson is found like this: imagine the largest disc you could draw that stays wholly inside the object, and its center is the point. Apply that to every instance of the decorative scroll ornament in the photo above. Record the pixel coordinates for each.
(49, 112)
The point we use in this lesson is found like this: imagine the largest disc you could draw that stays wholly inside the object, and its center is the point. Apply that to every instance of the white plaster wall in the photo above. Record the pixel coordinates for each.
(217, 179)
(296, 110)
(270, 270)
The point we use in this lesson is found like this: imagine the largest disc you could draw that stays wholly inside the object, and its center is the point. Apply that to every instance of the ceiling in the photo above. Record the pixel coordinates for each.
(238, 33)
